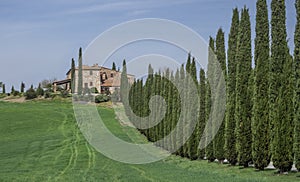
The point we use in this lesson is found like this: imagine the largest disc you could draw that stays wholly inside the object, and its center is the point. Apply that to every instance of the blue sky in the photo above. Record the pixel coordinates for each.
(39, 37)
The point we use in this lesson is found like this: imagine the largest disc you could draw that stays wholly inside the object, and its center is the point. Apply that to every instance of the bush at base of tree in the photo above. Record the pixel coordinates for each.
(94, 90)
(64, 94)
(16, 93)
(101, 98)
(39, 91)
(47, 94)
(30, 94)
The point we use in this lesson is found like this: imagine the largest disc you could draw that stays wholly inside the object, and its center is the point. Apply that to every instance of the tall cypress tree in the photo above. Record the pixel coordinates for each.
(297, 88)
(3, 89)
(230, 140)
(186, 114)
(12, 90)
(147, 94)
(243, 104)
(194, 139)
(210, 147)
(80, 81)
(219, 141)
(22, 87)
(280, 90)
(260, 120)
(114, 66)
(179, 135)
(124, 88)
(202, 111)
(73, 76)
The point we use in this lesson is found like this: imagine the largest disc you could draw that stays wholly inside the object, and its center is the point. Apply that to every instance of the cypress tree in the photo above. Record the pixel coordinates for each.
(73, 76)
(80, 81)
(147, 95)
(22, 87)
(3, 89)
(193, 110)
(202, 111)
(230, 140)
(39, 90)
(243, 104)
(297, 88)
(260, 120)
(186, 114)
(124, 88)
(210, 147)
(114, 66)
(281, 110)
(219, 140)
(181, 127)
(12, 90)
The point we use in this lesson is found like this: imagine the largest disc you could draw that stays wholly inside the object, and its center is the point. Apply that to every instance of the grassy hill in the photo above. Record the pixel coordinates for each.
(39, 141)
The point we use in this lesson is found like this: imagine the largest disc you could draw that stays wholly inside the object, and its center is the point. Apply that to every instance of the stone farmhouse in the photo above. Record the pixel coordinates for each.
(95, 76)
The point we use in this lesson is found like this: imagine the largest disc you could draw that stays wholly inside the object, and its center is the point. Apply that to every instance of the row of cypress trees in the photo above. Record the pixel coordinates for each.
(262, 121)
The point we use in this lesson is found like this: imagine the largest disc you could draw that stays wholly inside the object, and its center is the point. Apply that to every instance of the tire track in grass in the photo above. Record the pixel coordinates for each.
(68, 143)
(75, 142)
(143, 174)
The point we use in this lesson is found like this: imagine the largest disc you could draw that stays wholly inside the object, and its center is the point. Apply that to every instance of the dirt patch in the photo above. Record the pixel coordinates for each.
(14, 99)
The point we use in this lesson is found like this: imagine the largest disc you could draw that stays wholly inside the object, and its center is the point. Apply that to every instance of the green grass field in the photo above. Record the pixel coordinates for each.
(40, 141)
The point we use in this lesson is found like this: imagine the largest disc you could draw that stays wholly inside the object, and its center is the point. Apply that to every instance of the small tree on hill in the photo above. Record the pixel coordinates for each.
(73, 76)
(80, 83)
(3, 89)
(12, 90)
(114, 66)
(40, 91)
(22, 87)
(30, 93)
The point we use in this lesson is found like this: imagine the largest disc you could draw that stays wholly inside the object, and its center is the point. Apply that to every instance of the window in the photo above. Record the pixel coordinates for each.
(112, 75)
(91, 84)
(91, 72)
(86, 85)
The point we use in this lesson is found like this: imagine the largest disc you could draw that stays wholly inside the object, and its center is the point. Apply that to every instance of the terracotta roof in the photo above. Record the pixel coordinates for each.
(60, 82)
(94, 67)
(111, 82)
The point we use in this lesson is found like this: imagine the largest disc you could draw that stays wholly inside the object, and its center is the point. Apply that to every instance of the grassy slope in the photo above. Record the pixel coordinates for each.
(39, 141)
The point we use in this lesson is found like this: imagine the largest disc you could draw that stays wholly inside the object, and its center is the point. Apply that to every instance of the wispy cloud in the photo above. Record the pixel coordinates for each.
(139, 7)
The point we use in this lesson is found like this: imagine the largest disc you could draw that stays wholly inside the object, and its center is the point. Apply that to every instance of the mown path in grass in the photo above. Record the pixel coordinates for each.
(40, 141)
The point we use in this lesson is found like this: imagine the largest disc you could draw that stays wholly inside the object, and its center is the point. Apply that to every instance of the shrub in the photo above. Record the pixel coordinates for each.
(64, 94)
(86, 91)
(31, 94)
(16, 93)
(39, 91)
(94, 90)
(47, 94)
(101, 98)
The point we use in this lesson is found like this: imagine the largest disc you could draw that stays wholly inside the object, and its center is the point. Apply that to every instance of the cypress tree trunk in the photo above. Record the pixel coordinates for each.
(230, 140)
(297, 88)
(281, 82)
(260, 120)
(219, 141)
(243, 104)
(80, 83)
(210, 156)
